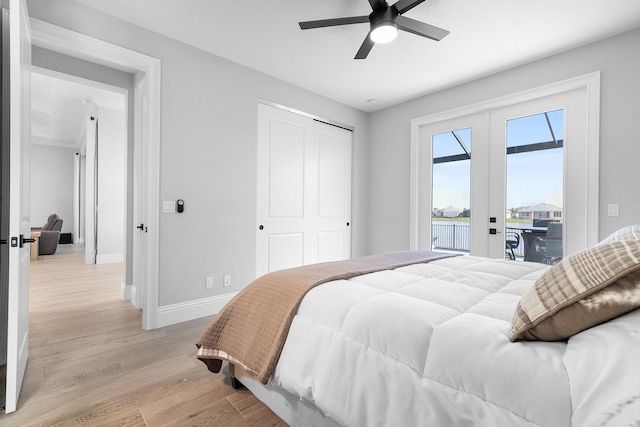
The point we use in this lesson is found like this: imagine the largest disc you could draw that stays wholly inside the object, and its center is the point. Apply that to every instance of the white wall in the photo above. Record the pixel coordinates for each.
(52, 185)
(618, 60)
(208, 153)
(111, 185)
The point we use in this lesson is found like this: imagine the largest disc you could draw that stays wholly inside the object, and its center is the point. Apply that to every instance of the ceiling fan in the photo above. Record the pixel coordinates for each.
(385, 21)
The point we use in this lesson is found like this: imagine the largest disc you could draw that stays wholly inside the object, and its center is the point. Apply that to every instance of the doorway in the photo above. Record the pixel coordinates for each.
(148, 69)
(70, 175)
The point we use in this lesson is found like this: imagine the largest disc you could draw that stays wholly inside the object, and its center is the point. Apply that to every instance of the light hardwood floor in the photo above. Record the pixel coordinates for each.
(90, 363)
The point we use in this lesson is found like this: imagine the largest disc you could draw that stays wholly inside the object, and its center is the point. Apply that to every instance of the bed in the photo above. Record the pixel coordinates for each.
(415, 338)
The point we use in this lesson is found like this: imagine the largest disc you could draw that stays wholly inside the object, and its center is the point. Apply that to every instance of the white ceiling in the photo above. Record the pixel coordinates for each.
(60, 105)
(487, 36)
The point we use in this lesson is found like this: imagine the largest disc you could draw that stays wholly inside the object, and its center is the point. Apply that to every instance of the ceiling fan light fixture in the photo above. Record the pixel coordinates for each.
(384, 33)
(384, 23)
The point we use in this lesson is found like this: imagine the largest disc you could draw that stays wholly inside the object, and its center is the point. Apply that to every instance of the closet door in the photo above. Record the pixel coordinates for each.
(303, 191)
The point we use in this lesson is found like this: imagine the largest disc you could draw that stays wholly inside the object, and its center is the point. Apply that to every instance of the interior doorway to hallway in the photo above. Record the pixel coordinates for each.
(146, 147)
(79, 161)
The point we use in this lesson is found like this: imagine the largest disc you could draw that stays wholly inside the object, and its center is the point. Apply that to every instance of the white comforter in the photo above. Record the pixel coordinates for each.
(427, 345)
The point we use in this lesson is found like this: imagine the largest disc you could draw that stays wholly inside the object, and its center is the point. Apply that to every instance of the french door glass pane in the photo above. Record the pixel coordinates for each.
(451, 192)
(534, 194)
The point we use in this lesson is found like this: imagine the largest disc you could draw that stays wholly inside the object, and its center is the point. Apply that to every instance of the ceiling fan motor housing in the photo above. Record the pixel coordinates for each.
(384, 16)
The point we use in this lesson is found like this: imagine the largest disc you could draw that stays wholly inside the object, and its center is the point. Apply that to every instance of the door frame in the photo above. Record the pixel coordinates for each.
(58, 39)
(590, 82)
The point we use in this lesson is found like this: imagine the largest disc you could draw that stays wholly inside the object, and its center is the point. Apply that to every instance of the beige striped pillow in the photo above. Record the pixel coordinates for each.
(581, 291)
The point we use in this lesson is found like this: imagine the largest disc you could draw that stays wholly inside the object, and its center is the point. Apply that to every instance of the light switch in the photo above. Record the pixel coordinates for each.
(612, 210)
(168, 206)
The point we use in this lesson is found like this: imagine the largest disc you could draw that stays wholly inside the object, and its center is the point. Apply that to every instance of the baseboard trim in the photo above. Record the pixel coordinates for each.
(109, 258)
(134, 297)
(125, 291)
(190, 310)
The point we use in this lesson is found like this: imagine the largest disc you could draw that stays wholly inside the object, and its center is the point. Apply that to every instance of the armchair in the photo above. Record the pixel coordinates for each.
(49, 235)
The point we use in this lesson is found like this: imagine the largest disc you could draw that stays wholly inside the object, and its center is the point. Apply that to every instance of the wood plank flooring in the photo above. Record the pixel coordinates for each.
(90, 363)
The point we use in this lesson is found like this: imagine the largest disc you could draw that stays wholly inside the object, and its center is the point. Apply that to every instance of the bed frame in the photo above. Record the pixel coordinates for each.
(290, 409)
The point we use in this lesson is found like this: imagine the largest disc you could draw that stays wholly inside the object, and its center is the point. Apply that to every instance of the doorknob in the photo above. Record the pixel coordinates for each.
(27, 240)
(140, 227)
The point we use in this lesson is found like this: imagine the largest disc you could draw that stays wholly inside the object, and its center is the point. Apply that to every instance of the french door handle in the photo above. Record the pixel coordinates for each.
(140, 227)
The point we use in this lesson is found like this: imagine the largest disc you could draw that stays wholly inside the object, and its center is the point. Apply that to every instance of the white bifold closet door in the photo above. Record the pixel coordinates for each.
(304, 191)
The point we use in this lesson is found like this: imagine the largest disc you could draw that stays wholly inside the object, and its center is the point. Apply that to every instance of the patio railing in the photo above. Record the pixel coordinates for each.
(456, 237)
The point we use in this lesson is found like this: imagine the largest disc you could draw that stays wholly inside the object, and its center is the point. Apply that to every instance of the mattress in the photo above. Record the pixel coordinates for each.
(429, 344)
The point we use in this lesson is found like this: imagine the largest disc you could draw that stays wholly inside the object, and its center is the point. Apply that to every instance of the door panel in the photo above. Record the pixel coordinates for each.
(331, 204)
(534, 183)
(332, 158)
(304, 191)
(286, 170)
(451, 194)
(140, 188)
(446, 176)
(19, 216)
(331, 246)
(573, 158)
(91, 189)
(285, 251)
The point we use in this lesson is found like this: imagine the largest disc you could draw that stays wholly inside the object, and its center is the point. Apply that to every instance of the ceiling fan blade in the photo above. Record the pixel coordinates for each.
(307, 25)
(405, 5)
(364, 50)
(377, 4)
(421, 29)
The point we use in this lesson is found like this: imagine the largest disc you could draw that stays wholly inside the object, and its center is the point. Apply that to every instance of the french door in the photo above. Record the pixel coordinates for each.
(452, 178)
(514, 180)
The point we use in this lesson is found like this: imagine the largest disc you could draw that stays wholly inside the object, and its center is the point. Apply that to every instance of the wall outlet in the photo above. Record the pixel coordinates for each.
(613, 209)
(209, 282)
(226, 281)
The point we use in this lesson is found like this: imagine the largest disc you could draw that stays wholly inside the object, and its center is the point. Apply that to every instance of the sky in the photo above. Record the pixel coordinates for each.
(532, 178)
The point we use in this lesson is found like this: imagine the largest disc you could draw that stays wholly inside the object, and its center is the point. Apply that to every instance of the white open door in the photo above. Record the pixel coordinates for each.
(91, 186)
(140, 188)
(19, 216)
